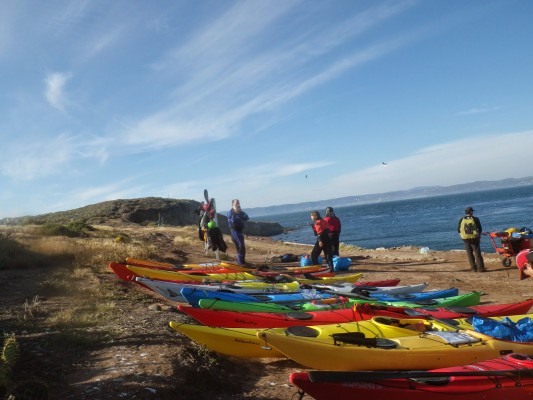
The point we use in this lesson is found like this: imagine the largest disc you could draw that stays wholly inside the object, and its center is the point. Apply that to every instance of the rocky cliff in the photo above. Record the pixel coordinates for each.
(142, 211)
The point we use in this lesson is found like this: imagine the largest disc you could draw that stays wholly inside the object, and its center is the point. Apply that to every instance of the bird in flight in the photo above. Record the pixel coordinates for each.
(384, 163)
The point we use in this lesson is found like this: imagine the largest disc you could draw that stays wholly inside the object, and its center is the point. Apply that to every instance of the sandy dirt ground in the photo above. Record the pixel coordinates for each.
(145, 359)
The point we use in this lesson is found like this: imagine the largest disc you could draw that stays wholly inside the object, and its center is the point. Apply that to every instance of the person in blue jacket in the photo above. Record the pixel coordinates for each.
(237, 221)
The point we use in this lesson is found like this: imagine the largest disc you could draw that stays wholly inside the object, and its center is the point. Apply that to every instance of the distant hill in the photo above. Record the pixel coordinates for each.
(142, 211)
(420, 192)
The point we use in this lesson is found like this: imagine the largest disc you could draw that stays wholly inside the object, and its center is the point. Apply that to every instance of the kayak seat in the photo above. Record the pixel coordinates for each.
(172, 293)
(360, 292)
(302, 331)
(262, 297)
(359, 339)
(387, 321)
(301, 316)
(425, 302)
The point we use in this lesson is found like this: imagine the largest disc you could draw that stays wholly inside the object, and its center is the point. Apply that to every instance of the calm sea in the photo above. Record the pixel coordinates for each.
(429, 222)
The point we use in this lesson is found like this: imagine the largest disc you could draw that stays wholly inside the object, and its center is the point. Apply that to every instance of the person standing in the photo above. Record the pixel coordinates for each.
(323, 242)
(334, 224)
(469, 229)
(237, 221)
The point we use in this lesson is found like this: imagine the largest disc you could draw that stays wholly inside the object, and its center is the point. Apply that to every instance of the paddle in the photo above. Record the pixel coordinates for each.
(350, 295)
(351, 376)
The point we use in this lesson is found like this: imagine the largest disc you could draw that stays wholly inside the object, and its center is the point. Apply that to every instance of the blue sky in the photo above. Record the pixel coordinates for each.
(271, 102)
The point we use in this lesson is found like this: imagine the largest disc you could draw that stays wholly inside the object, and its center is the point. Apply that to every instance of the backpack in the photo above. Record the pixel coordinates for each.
(468, 229)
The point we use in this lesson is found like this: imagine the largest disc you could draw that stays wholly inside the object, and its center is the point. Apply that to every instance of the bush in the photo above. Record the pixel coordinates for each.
(79, 226)
(14, 255)
(58, 230)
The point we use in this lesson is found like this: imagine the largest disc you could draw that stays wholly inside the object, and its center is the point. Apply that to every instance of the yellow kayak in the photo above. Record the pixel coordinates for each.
(219, 264)
(351, 278)
(422, 351)
(248, 342)
(273, 269)
(150, 263)
(188, 277)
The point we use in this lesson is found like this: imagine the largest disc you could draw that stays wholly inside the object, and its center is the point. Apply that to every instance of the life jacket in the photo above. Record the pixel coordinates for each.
(468, 228)
(334, 224)
(320, 226)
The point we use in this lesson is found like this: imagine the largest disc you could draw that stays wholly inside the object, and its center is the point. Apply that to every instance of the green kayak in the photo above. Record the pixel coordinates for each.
(461, 300)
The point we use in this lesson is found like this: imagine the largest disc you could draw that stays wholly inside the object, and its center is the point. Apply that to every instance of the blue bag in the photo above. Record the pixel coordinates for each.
(341, 263)
(506, 329)
(305, 260)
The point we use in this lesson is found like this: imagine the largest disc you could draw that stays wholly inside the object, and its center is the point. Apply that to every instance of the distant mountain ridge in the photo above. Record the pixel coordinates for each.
(414, 193)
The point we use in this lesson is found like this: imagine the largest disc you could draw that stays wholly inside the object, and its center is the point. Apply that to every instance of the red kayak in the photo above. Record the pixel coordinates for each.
(360, 312)
(506, 378)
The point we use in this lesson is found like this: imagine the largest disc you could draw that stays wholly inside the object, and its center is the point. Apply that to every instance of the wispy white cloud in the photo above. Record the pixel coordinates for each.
(102, 41)
(55, 89)
(479, 110)
(33, 158)
(229, 80)
(460, 161)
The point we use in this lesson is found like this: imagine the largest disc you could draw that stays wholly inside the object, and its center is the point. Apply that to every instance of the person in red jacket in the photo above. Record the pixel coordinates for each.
(334, 229)
(524, 262)
(323, 242)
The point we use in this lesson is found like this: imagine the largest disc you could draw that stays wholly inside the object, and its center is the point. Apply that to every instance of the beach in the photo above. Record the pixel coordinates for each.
(146, 359)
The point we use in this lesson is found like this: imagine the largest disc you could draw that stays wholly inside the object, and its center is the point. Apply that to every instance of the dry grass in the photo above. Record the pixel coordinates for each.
(30, 309)
(83, 259)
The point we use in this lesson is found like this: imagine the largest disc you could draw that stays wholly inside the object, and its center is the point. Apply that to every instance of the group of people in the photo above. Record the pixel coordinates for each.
(328, 229)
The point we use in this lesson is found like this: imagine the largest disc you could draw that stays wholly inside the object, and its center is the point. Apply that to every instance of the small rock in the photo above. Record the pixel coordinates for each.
(155, 307)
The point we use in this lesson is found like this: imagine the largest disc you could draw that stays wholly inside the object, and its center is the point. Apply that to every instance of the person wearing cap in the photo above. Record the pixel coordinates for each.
(524, 261)
(334, 224)
(469, 228)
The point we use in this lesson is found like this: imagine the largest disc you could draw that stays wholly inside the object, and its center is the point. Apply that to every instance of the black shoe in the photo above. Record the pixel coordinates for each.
(482, 270)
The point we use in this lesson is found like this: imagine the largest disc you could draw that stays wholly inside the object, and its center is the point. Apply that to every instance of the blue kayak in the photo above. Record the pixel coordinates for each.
(193, 296)
(416, 296)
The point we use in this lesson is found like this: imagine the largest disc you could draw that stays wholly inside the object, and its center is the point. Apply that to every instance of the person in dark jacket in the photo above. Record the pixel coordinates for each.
(334, 224)
(237, 221)
(469, 228)
(323, 242)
